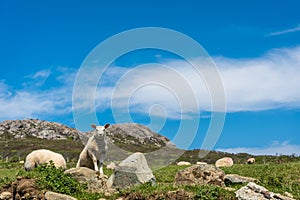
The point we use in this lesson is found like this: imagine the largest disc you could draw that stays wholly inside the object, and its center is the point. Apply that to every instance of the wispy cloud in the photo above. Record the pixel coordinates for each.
(291, 30)
(276, 148)
(267, 82)
(34, 102)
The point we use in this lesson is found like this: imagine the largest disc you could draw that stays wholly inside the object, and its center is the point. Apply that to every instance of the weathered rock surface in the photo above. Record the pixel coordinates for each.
(224, 162)
(111, 165)
(57, 196)
(253, 191)
(234, 178)
(200, 175)
(183, 163)
(95, 182)
(134, 170)
(6, 195)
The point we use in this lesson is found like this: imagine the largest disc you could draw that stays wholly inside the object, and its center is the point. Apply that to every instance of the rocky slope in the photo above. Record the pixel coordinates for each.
(123, 135)
(38, 129)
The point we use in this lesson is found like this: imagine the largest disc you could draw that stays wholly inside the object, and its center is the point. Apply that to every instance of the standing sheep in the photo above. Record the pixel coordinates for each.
(41, 156)
(94, 151)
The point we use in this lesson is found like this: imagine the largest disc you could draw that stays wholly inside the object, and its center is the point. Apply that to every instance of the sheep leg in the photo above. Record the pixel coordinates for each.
(101, 168)
(94, 160)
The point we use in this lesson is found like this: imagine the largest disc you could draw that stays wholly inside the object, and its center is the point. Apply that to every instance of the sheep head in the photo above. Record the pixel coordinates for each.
(100, 129)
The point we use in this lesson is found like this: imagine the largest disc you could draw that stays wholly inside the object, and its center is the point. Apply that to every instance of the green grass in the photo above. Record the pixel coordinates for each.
(277, 178)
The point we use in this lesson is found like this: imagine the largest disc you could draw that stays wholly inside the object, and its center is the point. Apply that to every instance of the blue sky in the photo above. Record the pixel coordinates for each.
(254, 44)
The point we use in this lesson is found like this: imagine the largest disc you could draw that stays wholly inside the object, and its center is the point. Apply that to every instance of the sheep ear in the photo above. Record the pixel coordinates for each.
(106, 126)
(93, 126)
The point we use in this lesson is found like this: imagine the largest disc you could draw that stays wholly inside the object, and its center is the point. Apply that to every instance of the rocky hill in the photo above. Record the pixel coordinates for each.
(37, 128)
(29, 134)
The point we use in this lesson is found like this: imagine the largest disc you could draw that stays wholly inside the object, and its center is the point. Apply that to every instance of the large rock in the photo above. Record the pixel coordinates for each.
(95, 182)
(200, 175)
(134, 170)
(234, 178)
(253, 191)
(57, 196)
(224, 162)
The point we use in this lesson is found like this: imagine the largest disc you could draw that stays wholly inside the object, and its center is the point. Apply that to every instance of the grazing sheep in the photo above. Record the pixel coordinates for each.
(251, 161)
(94, 151)
(41, 156)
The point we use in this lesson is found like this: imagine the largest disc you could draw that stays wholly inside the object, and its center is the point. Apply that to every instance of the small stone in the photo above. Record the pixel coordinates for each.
(5, 195)
(201, 163)
(57, 196)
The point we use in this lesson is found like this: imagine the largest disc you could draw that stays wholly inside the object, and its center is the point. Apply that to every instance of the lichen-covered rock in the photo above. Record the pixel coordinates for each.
(200, 175)
(6, 195)
(57, 196)
(134, 170)
(253, 191)
(235, 178)
(95, 182)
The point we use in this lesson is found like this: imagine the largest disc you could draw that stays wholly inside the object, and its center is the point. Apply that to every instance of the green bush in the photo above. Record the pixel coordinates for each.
(51, 178)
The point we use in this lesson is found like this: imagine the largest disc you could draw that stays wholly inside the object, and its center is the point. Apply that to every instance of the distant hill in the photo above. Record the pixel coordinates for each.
(19, 137)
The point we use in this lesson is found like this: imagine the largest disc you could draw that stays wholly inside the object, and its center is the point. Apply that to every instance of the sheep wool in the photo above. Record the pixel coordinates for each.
(41, 156)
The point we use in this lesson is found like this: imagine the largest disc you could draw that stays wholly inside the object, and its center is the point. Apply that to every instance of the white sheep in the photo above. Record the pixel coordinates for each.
(251, 161)
(41, 156)
(94, 151)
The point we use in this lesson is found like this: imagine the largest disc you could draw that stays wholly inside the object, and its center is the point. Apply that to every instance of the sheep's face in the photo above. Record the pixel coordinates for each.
(100, 129)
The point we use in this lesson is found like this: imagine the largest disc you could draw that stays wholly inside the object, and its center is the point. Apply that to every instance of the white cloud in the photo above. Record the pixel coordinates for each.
(32, 102)
(267, 82)
(275, 148)
(291, 30)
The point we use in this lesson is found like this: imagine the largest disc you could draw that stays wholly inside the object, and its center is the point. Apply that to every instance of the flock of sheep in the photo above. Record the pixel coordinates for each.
(92, 156)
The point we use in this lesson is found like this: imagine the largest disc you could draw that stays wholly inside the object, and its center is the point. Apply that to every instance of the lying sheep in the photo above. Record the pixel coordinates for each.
(94, 151)
(251, 161)
(41, 156)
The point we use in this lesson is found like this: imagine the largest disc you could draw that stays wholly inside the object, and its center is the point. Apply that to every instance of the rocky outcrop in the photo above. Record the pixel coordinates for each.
(95, 182)
(237, 179)
(132, 171)
(57, 196)
(200, 175)
(224, 162)
(253, 191)
(37, 128)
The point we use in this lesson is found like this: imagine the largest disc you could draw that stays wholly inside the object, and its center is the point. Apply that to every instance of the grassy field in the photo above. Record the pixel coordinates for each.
(276, 177)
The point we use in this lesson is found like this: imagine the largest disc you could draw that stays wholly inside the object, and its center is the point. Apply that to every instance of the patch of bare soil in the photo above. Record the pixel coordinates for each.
(23, 188)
